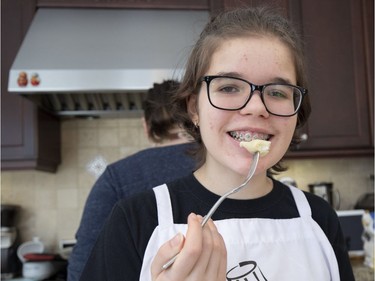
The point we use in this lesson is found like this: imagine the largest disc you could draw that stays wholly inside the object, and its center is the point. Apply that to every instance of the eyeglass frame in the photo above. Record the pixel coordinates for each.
(253, 87)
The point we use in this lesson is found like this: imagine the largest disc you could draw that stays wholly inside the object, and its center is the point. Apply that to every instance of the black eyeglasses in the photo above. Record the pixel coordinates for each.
(231, 93)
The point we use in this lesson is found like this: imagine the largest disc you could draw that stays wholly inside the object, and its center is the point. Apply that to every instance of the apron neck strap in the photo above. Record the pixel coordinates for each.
(164, 206)
(303, 205)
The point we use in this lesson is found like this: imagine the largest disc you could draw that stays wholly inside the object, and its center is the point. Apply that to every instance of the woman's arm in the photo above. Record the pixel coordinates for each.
(98, 206)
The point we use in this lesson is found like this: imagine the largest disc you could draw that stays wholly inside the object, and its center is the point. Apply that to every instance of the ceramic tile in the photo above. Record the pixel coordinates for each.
(23, 178)
(6, 187)
(46, 197)
(111, 154)
(127, 151)
(85, 180)
(97, 166)
(87, 123)
(67, 198)
(86, 155)
(130, 136)
(82, 195)
(87, 137)
(130, 122)
(23, 196)
(46, 226)
(66, 177)
(350, 176)
(69, 124)
(108, 137)
(108, 123)
(69, 157)
(69, 137)
(68, 224)
(44, 180)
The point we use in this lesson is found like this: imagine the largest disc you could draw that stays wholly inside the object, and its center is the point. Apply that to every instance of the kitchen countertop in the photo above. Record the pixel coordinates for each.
(361, 272)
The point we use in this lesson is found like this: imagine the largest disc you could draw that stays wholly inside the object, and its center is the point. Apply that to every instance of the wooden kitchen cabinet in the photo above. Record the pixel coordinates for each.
(30, 138)
(339, 39)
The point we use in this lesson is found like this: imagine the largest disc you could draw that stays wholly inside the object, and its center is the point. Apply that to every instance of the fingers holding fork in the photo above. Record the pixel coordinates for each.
(201, 255)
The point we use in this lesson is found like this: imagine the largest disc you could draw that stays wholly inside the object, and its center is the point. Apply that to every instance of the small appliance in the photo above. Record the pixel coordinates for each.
(38, 265)
(327, 192)
(10, 265)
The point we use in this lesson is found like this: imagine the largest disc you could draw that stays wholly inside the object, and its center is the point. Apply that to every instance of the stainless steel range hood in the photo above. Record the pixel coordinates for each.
(100, 62)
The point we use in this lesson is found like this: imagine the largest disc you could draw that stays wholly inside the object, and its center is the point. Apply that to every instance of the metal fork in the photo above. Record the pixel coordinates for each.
(252, 169)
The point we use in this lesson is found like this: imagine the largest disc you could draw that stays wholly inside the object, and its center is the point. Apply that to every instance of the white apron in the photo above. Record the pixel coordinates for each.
(259, 249)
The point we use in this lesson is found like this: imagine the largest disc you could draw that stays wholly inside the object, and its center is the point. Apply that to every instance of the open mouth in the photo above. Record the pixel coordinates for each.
(248, 136)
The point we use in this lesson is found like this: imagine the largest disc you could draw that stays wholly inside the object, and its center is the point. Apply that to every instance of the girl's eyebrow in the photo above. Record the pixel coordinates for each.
(231, 74)
(281, 80)
(272, 80)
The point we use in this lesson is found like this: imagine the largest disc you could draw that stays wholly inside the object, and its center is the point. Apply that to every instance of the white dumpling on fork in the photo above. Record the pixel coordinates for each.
(261, 146)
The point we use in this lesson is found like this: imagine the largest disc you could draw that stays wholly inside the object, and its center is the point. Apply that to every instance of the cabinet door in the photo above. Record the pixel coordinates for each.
(29, 137)
(339, 86)
(16, 113)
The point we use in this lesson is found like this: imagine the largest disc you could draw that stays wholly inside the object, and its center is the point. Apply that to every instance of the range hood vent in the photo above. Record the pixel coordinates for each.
(117, 104)
(101, 62)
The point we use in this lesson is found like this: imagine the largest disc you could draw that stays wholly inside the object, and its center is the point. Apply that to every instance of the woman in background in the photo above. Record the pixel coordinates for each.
(165, 161)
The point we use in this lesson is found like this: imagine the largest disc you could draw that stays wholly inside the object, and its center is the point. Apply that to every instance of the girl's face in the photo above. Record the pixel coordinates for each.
(259, 60)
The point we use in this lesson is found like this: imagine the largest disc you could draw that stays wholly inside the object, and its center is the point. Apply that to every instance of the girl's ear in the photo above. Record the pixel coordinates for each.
(145, 127)
(192, 108)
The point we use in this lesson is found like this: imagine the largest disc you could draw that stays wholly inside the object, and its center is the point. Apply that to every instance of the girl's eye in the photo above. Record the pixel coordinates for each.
(277, 94)
(229, 89)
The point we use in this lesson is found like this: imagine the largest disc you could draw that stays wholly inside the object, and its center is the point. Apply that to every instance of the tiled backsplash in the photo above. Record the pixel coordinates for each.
(52, 204)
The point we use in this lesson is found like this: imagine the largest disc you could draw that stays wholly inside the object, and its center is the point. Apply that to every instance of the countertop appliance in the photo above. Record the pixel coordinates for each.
(366, 202)
(100, 62)
(10, 265)
(327, 192)
(36, 264)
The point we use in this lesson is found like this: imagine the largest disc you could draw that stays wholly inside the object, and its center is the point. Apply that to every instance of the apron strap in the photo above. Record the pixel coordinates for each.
(164, 205)
(303, 205)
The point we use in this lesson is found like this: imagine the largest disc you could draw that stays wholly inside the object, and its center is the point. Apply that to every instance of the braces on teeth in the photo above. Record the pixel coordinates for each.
(241, 136)
(246, 136)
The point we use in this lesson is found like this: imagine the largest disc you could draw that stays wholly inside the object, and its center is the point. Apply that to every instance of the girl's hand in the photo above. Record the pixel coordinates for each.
(202, 254)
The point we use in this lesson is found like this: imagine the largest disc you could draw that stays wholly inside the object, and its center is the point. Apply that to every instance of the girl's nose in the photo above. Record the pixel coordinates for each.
(255, 106)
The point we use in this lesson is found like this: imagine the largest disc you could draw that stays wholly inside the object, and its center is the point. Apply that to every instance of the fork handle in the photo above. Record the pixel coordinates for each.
(170, 262)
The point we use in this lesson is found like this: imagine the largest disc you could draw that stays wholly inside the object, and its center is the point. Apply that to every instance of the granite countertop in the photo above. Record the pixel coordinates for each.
(361, 272)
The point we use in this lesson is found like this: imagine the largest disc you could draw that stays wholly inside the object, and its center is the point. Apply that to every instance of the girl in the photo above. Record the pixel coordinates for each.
(244, 80)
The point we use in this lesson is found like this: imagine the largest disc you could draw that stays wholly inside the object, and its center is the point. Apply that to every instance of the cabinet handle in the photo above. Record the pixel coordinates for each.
(304, 137)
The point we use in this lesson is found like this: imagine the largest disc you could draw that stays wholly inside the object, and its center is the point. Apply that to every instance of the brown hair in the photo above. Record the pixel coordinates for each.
(236, 23)
(159, 119)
